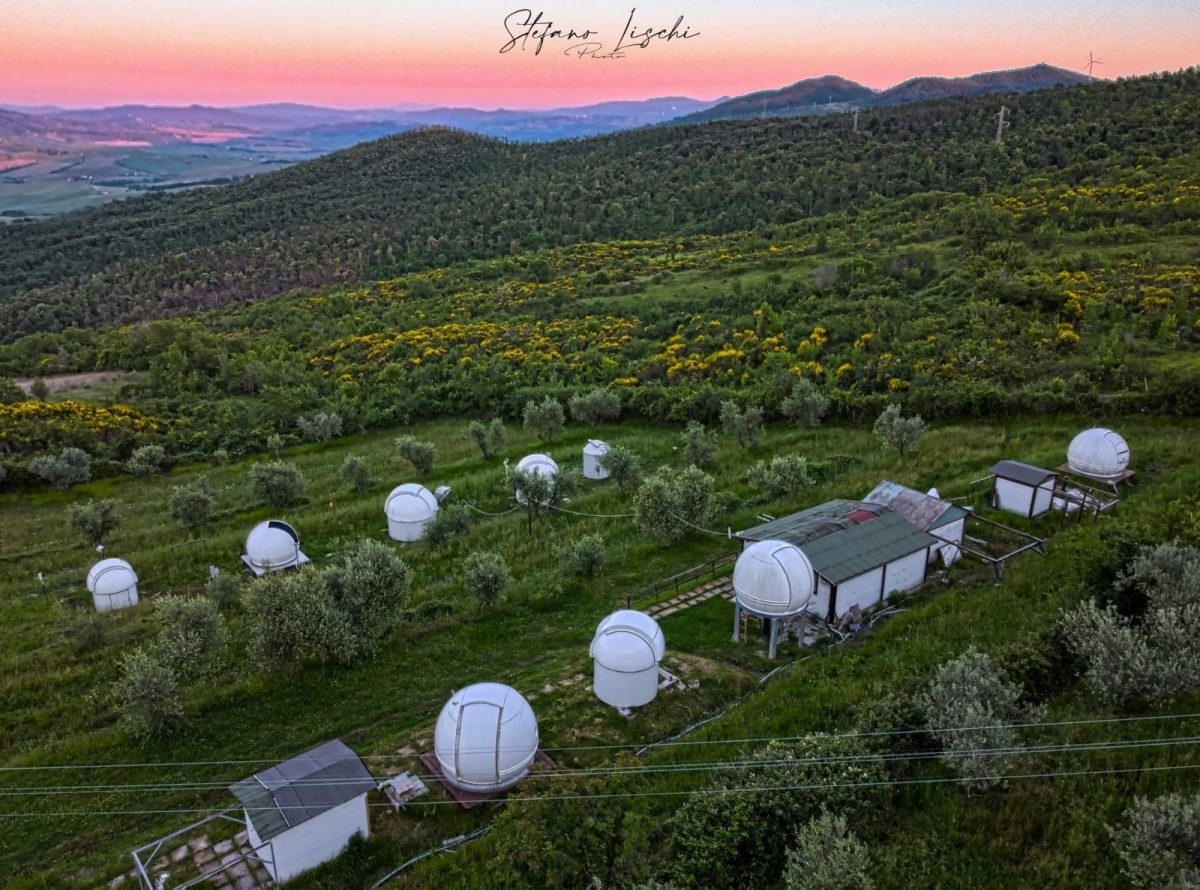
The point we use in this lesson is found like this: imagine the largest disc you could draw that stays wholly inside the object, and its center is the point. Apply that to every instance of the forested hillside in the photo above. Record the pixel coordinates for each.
(434, 197)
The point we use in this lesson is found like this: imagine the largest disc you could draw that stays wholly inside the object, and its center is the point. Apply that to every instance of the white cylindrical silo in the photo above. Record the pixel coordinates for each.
(1099, 453)
(486, 738)
(625, 651)
(409, 509)
(113, 585)
(272, 545)
(537, 465)
(592, 452)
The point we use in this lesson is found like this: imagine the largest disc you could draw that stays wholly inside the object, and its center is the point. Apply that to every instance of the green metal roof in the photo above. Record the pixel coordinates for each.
(844, 539)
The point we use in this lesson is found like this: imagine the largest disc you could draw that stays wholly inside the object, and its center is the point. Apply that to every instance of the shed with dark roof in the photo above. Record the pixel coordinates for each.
(303, 811)
(1022, 488)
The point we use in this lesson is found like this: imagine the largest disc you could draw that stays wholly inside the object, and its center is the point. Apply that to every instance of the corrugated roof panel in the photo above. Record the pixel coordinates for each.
(1026, 474)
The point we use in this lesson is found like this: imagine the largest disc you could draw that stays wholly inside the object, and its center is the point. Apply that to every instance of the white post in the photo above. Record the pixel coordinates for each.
(774, 637)
(737, 620)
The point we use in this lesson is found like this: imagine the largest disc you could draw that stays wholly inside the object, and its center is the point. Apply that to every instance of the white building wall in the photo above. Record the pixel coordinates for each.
(819, 604)
(1043, 497)
(318, 840)
(1015, 497)
(953, 533)
(905, 573)
(406, 531)
(111, 602)
(862, 591)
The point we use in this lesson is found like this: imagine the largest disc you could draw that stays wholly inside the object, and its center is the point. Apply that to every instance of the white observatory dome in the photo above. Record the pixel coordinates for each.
(592, 452)
(773, 579)
(486, 738)
(113, 585)
(409, 508)
(626, 650)
(537, 465)
(1099, 453)
(272, 545)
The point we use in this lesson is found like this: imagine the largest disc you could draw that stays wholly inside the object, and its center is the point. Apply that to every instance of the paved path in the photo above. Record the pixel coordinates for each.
(706, 591)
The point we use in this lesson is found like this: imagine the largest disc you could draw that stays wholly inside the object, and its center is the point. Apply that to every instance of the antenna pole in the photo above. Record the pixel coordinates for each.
(855, 120)
(1001, 123)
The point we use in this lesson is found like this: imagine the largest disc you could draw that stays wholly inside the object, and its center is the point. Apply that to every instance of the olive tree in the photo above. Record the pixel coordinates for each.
(584, 557)
(320, 426)
(827, 856)
(71, 466)
(1159, 843)
(420, 454)
(898, 432)
(540, 492)
(354, 472)
(622, 465)
(148, 694)
(744, 424)
(192, 634)
(805, 405)
(670, 503)
(546, 417)
(370, 586)
(95, 520)
(278, 483)
(485, 575)
(191, 505)
(699, 444)
(146, 461)
(784, 475)
(595, 407)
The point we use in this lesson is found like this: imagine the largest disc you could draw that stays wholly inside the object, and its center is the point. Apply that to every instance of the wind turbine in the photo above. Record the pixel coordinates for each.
(1091, 63)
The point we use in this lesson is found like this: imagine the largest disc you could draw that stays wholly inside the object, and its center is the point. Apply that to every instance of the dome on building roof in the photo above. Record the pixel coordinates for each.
(773, 579)
(486, 738)
(1099, 453)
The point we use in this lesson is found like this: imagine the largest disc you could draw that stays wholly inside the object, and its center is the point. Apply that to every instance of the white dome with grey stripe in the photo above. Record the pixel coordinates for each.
(773, 579)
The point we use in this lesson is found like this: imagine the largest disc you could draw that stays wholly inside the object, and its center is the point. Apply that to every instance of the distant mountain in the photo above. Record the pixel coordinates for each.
(1015, 80)
(802, 97)
(822, 95)
(44, 131)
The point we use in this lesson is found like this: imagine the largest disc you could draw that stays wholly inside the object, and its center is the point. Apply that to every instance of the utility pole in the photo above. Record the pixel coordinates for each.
(1001, 123)
(855, 120)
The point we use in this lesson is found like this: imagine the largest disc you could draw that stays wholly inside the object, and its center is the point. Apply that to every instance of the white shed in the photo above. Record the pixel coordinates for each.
(304, 811)
(625, 651)
(537, 465)
(774, 580)
(409, 509)
(592, 452)
(1022, 488)
(1099, 453)
(486, 738)
(113, 585)
(271, 546)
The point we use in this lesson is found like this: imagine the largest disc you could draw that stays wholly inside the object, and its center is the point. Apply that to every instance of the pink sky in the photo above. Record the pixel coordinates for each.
(364, 53)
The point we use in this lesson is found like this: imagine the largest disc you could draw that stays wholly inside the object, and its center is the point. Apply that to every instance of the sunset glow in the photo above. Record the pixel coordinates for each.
(368, 53)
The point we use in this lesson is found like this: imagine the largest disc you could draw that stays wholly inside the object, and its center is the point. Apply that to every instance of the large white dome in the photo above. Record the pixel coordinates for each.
(773, 579)
(486, 738)
(411, 502)
(628, 641)
(1099, 453)
(540, 464)
(273, 544)
(112, 583)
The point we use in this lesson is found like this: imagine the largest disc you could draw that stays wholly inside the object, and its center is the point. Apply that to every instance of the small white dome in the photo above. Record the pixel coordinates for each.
(273, 543)
(774, 579)
(111, 576)
(486, 738)
(1098, 452)
(540, 464)
(411, 502)
(628, 642)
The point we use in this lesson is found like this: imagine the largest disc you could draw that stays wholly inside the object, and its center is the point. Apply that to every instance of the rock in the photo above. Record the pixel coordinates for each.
(204, 856)
(246, 883)
(241, 837)
(116, 882)
(240, 870)
(198, 843)
(223, 847)
(179, 853)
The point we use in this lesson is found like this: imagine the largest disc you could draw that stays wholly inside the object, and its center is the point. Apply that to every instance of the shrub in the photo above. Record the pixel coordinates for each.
(148, 694)
(898, 432)
(545, 417)
(279, 484)
(669, 503)
(355, 473)
(585, 557)
(146, 461)
(447, 523)
(10, 393)
(827, 856)
(95, 520)
(292, 617)
(39, 389)
(538, 493)
(225, 591)
(370, 586)
(477, 432)
(191, 505)
(321, 426)
(699, 444)
(805, 405)
(70, 467)
(274, 445)
(1159, 845)
(783, 476)
(744, 424)
(3, 473)
(192, 634)
(420, 454)
(719, 838)
(622, 465)
(595, 407)
(485, 575)
(969, 691)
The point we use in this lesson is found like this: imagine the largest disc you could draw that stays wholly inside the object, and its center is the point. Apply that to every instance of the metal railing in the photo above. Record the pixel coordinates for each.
(685, 580)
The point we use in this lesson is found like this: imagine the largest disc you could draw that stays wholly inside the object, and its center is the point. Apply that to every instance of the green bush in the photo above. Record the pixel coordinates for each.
(72, 466)
(146, 461)
(699, 444)
(669, 504)
(320, 426)
(744, 424)
(225, 590)
(898, 432)
(148, 694)
(274, 445)
(354, 472)
(292, 617)
(191, 505)
(546, 417)
(420, 454)
(192, 635)
(370, 586)
(279, 484)
(1159, 844)
(485, 575)
(95, 520)
(585, 557)
(805, 405)
(447, 523)
(595, 407)
(827, 856)
(785, 475)
(622, 465)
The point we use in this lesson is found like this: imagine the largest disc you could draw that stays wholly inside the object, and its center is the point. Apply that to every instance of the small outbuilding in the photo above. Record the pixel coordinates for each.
(773, 580)
(1022, 488)
(409, 508)
(486, 738)
(928, 512)
(536, 465)
(626, 650)
(861, 553)
(272, 546)
(593, 451)
(1099, 454)
(113, 585)
(304, 811)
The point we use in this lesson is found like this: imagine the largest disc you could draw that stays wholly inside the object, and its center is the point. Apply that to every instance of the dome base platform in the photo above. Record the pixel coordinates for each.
(259, 570)
(1111, 481)
(469, 799)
